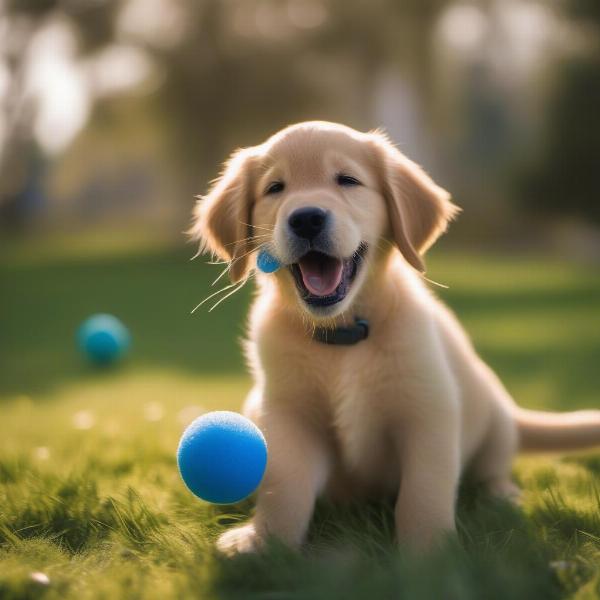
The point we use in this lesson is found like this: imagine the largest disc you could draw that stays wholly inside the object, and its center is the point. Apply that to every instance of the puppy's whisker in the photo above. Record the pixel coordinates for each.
(227, 287)
(383, 241)
(230, 264)
(221, 274)
(233, 261)
(249, 238)
(258, 226)
(445, 287)
(236, 289)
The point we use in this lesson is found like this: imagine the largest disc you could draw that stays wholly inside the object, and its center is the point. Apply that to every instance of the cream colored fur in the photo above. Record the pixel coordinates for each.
(403, 413)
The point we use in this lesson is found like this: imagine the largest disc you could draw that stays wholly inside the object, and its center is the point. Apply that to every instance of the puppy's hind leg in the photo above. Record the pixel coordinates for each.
(493, 461)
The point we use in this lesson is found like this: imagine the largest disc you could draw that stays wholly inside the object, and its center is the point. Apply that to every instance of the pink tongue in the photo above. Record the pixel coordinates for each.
(321, 277)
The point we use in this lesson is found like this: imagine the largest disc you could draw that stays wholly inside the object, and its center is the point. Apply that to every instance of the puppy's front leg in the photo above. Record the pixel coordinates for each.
(430, 472)
(297, 469)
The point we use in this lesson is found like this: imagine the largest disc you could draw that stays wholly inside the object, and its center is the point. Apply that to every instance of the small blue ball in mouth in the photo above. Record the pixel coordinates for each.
(266, 262)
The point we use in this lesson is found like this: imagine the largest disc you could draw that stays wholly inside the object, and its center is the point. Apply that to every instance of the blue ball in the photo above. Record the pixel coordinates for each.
(266, 262)
(103, 339)
(222, 457)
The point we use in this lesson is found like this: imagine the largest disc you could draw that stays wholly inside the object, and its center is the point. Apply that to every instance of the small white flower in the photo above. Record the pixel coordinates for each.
(42, 452)
(40, 578)
(153, 411)
(561, 565)
(83, 419)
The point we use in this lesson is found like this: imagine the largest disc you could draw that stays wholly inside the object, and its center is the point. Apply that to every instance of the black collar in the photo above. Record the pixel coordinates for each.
(343, 336)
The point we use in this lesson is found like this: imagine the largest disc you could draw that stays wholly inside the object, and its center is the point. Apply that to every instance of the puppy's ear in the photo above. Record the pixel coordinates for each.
(222, 217)
(418, 209)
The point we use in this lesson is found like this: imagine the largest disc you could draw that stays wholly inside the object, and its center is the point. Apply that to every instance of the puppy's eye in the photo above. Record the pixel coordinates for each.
(346, 180)
(275, 187)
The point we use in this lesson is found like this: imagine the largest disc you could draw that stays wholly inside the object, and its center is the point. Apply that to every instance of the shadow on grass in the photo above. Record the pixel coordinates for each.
(351, 554)
(499, 553)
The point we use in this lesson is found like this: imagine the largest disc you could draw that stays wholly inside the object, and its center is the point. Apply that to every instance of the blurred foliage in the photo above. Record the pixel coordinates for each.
(587, 10)
(94, 22)
(227, 73)
(565, 179)
(222, 87)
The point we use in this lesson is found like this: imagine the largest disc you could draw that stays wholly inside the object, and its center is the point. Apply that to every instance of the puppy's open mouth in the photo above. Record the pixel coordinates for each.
(323, 280)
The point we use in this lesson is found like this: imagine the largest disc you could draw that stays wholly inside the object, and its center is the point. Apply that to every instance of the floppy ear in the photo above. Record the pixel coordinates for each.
(418, 209)
(221, 218)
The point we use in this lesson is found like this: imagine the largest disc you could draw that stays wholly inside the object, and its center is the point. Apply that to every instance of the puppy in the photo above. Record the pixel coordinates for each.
(365, 383)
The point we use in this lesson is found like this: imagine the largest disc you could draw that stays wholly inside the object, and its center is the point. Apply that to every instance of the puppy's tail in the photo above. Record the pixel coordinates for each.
(546, 431)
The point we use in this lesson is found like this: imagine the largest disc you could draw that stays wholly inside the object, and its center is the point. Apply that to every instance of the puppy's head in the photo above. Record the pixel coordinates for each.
(321, 197)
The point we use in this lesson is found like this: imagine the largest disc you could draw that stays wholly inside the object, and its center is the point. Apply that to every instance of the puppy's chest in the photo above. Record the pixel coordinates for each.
(359, 413)
(353, 392)
(348, 378)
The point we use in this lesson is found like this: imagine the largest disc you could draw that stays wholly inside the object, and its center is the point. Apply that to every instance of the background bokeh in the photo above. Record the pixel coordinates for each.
(114, 114)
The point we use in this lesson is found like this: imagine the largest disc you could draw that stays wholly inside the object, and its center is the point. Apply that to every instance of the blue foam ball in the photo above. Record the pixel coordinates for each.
(266, 262)
(222, 457)
(103, 339)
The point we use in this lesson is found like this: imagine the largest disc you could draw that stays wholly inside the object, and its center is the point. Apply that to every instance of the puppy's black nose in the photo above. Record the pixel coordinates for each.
(308, 222)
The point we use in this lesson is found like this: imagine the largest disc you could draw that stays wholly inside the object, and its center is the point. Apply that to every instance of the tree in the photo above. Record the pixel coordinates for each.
(21, 160)
(565, 179)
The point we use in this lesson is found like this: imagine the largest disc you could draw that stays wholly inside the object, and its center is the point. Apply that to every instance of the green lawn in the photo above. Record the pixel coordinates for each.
(89, 490)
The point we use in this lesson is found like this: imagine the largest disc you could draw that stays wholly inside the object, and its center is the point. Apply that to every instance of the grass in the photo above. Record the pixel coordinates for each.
(89, 491)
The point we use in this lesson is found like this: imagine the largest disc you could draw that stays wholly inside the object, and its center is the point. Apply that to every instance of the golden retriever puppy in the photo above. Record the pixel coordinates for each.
(364, 382)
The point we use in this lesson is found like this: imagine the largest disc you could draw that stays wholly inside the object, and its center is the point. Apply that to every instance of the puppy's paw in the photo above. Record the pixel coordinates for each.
(505, 489)
(240, 540)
